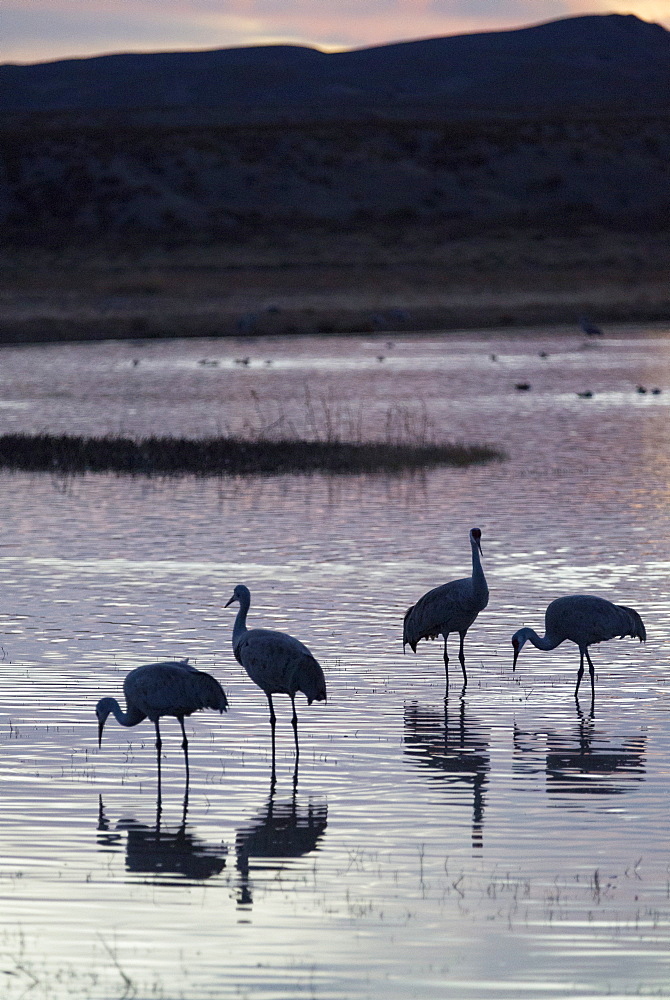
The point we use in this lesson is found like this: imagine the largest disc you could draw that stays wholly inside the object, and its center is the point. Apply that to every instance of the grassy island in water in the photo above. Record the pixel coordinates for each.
(227, 455)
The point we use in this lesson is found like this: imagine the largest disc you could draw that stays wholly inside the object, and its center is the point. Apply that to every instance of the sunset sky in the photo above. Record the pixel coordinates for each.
(37, 30)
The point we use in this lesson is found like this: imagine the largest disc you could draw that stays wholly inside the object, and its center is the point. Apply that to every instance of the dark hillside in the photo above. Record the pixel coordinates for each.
(564, 120)
(599, 62)
(493, 179)
(170, 182)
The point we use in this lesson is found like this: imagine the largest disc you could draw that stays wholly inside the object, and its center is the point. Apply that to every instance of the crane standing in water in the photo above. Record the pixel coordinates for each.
(451, 607)
(584, 620)
(157, 689)
(589, 328)
(276, 662)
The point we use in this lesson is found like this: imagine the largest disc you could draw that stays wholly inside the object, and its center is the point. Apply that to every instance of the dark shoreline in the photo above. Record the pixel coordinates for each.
(225, 325)
(311, 281)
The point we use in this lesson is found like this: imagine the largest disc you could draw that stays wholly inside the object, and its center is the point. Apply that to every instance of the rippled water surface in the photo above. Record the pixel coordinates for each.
(504, 844)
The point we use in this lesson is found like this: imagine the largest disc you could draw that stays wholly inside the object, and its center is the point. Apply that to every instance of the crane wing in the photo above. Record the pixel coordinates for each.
(586, 619)
(452, 607)
(173, 689)
(280, 664)
(635, 625)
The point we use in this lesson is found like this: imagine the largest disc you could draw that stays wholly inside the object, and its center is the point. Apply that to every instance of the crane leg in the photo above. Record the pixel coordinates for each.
(461, 657)
(580, 672)
(446, 659)
(593, 677)
(273, 723)
(184, 746)
(294, 723)
(184, 742)
(159, 742)
(159, 788)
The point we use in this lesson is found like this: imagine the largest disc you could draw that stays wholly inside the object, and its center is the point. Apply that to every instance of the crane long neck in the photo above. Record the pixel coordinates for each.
(130, 717)
(478, 578)
(544, 642)
(240, 626)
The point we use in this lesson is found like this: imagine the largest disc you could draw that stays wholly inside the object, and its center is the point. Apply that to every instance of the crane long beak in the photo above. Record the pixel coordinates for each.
(233, 598)
(101, 726)
(516, 657)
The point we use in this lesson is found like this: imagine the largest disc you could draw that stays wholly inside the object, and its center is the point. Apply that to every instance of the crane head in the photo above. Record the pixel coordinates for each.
(518, 641)
(241, 594)
(102, 710)
(476, 537)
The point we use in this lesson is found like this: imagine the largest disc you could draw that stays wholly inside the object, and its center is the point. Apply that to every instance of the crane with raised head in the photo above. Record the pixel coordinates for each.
(584, 620)
(452, 607)
(278, 663)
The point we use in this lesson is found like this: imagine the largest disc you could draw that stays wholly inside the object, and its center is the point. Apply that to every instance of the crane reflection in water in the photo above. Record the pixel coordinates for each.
(453, 747)
(275, 837)
(584, 761)
(162, 850)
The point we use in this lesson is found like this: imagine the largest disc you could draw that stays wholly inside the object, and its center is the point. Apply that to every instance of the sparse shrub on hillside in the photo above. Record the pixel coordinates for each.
(103, 181)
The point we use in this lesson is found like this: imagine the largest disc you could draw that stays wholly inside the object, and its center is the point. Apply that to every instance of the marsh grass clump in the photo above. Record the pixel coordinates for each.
(327, 418)
(227, 455)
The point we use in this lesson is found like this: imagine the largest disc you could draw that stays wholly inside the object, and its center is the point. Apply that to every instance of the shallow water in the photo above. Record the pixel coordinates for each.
(506, 845)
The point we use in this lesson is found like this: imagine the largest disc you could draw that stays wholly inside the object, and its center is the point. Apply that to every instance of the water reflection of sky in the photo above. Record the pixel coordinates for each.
(501, 848)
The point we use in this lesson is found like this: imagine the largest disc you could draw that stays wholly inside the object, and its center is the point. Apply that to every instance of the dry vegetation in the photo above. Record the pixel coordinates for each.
(227, 456)
(318, 279)
(345, 227)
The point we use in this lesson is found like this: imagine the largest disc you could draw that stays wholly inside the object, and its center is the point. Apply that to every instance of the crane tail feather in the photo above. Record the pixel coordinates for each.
(407, 630)
(637, 629)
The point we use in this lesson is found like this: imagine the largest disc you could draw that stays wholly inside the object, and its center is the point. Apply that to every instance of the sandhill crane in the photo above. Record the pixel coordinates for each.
(584, 620)
(589, 328)
(452, 607)
(276, 662)
(157, 689)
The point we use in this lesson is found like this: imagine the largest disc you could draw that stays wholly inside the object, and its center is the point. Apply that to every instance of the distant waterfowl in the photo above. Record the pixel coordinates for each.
(278, 663)
(643, 389)
(157, 689)
(522, 386)
(585, 395)
(452, 607)
(584, 620)
(590, 329)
